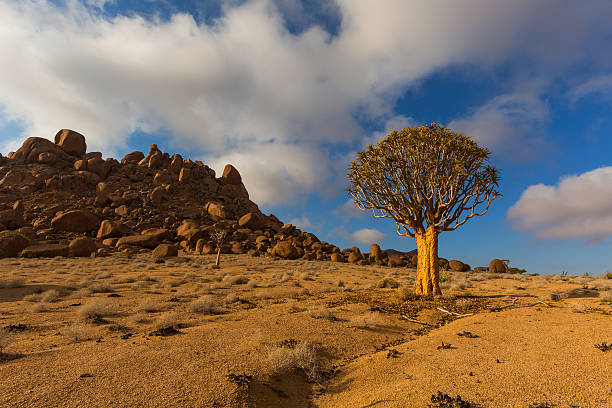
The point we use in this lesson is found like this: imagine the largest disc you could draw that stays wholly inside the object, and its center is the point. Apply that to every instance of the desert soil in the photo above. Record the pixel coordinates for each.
(260, 332)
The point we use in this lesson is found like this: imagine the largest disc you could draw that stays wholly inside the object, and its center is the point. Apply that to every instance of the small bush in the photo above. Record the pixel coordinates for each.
(96, 310)
(101, 287)
(252, 284)
(51, 295)
(12, 283)
(387, 283)
(443, 275)
(40, 307)
(322, 313)
(167, 320)
(607, 275)
(285, 358)
(77, 332)
(238, 280)
(577, 307)
(81, 293)
(606, 296)
(140, 317)
(231, 298)
(204, 305)
(406, 294)
(149, 306)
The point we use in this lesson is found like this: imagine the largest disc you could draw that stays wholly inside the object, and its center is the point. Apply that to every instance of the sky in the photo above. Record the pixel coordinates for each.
(288, 91)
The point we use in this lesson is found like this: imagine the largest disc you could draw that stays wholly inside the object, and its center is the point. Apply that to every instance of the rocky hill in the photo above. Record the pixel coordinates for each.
(57, 199)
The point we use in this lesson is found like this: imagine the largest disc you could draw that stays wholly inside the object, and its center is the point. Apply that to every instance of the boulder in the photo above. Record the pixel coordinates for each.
(498, 266)
(71, 142)
(82, 246)
(148, 239)
(18, 177)
(231, 175)
(111, 229)
(176, 164)
(217, 210)
(337, 257)
(165, 251)
(285, 250)
(31, 149)
(47, 158)
(98, 166)
(12, 243)
(132, 158)
(376, 252)
(458, 266)
(45, 251)
(237, 248)
(75, 221)
(252, 221)
(122, 210)
(191, 231)
(12, 219)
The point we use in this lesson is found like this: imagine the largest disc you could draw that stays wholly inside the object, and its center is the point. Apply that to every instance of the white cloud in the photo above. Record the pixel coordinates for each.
(301, 223)
(578, 206)
(234, 88)
(506, 123)
(368, 236)
(601, 85)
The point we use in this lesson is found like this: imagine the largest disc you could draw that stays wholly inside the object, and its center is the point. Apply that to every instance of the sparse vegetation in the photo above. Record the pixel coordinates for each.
(204, 305)
(77, 332)
(293, 355)
(96, 310)
(387, 283)
(149, 306)
(168, 320)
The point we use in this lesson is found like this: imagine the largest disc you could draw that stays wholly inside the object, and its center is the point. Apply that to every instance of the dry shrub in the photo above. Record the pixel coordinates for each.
(606, 296)
(149, 306)
(77, 332)
(295, 307)
(252, 284)
(231, 298)
(365, 321)
(204, 305)
(140, 317)
(286, 358)
(96, 310)
(307, 276)
(51, 295)
(264, 294)
(81, 293)
(387, 283)
(236, 280)
(458, 285)
(577, 307)
(12, 283)
(340, 283)
(101, 287)
(167, 320)
(40, 307)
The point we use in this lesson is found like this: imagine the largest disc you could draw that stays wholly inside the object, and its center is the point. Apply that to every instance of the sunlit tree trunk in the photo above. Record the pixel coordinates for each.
(427, 279)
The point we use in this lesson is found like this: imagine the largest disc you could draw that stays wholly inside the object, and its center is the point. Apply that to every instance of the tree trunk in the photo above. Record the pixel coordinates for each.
(218, 255)
(427, 279)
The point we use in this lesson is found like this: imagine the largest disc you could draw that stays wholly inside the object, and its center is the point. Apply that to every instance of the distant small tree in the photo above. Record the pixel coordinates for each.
(219, 237)
(428, 179)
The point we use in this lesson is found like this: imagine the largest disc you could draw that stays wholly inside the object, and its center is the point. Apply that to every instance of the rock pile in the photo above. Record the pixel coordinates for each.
(57, 199)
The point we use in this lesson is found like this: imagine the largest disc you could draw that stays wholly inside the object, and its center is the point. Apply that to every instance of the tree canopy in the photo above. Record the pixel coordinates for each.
(426, 176)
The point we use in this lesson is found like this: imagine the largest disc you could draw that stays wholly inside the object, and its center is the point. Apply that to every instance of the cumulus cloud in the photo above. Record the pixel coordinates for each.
(368, 236)
(233, 87)
(506, 123)
(577, 206)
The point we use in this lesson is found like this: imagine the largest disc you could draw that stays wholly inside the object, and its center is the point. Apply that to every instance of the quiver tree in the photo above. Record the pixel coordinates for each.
(427, 179)
(219, 238)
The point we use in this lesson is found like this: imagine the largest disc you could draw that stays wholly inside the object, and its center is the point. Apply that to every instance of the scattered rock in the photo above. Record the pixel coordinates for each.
(82, 247)
(12, 243)
(75, 221)
(45, 251)
(165, 251)
(458, 266)
(498, 266)
(252, 221)
(285, 250)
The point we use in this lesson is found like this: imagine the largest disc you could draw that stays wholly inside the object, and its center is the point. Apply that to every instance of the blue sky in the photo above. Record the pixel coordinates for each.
(288, 91)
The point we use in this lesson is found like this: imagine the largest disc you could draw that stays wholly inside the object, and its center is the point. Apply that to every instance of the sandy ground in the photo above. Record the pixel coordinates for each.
(266, 333)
